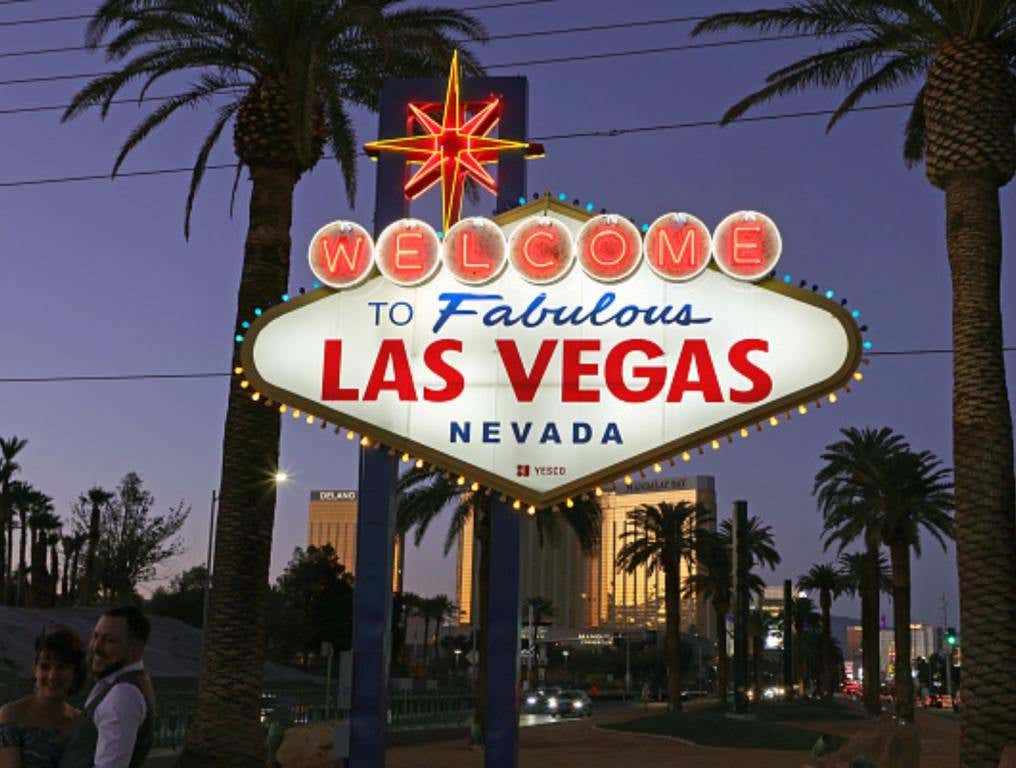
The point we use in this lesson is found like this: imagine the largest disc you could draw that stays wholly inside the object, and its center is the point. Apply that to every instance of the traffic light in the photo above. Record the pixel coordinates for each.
(950, 637)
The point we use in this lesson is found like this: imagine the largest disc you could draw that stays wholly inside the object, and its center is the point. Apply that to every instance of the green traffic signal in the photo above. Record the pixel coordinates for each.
(950, 636)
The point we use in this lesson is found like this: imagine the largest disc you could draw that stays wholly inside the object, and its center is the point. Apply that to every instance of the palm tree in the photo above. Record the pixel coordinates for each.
(659, 537)
(25, 498)
(67, 545)
(963, 55)
(829, 582)
(713, 579)
(857, 575)
(78, 545)
(536, 609)
(423, 493)
(804, 620)
(920, 497)
(442, 609)
(852, 493)
(287, 71)
(761, 544)
(10, 447)
(96, 498)
(41, 523)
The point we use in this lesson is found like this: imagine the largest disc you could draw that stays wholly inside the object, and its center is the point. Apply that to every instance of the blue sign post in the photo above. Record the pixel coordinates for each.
(375, 532)
(501, 741)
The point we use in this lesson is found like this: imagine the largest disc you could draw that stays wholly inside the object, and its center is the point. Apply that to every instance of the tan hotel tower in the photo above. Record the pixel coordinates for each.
(588, 591)
(331, 519)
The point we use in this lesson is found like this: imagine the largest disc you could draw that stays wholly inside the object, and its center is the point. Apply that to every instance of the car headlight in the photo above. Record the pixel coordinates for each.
(531, 700)
(552, 703)
(577, 705)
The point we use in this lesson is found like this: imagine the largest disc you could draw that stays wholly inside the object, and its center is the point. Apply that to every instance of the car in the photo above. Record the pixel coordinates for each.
(570, 704)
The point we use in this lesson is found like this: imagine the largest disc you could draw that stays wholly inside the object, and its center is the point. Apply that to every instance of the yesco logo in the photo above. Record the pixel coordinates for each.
(746, 245)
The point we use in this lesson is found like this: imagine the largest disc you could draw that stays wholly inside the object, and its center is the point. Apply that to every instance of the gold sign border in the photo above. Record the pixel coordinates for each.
(587, 482)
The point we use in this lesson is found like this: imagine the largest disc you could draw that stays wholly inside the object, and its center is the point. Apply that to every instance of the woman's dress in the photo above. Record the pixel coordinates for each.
(40, 747)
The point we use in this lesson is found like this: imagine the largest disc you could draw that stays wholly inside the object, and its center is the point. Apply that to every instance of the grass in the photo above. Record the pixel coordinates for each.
(770, 729)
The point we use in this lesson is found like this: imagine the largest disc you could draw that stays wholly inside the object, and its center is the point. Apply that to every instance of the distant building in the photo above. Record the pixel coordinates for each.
(331, 519)
(925, 640)
(588, 591)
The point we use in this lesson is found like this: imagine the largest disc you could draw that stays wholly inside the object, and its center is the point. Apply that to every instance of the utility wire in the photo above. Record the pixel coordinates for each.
(509, 64)
(489, 6)
(87, 378)
(605, 134)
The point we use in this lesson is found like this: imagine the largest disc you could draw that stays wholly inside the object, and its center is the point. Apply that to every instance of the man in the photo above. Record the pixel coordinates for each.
(115, 728)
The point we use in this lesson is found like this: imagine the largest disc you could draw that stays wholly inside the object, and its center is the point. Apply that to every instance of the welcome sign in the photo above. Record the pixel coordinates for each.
(547, 351)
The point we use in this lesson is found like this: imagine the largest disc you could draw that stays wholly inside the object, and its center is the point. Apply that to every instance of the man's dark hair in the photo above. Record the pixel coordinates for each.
(65, 647)
(138, 626)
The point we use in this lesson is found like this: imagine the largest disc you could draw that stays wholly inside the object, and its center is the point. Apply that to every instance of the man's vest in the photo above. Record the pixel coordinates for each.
(80, 751)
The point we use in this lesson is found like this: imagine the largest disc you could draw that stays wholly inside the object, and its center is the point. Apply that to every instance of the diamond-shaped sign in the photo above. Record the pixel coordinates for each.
(543, 390)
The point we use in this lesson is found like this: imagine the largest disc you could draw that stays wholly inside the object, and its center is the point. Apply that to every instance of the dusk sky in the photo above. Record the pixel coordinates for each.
(98, 279)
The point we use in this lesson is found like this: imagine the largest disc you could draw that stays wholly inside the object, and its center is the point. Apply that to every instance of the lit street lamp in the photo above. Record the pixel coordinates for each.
(458, 652)
(565, 654)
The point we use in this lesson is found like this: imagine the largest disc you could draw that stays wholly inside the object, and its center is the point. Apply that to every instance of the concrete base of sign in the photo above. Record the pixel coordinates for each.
(309, 746)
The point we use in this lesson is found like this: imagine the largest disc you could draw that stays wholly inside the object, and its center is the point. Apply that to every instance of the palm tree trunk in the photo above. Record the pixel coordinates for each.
(825, 657)
(426, 640)
(5, 513)
(672, 601)
(89, 583)
(9, 567)
(54, 575)
(20, 595)
(722, 664)
(225, 730)
(482, 527)
(983, 457)
(74, 574)
(68, 553)
(900, 554)
(870, 631)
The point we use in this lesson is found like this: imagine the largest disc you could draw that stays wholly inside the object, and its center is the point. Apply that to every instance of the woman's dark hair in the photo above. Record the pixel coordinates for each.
(66, 647)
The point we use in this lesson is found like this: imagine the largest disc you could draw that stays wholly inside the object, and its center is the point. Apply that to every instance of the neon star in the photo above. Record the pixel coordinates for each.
(452, 150)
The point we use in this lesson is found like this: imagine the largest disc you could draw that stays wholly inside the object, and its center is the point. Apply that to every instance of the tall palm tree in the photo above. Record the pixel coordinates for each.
(857, 575)
(804, 620)
(712, 579)
(96, 498)
(77, 546)
(10, 447)
(761, 543)
(962, 54)
(920, 497)
(287, 71)
(41, 522)
(830, 583)
(852, 496)
(67, 545)
(25, 499)
(659, 537)
(423, 493)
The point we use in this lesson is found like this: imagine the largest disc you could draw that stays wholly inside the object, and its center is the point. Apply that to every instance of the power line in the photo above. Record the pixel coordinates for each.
(489, 6)
(510, 64)
(605, 134)
(89, 378)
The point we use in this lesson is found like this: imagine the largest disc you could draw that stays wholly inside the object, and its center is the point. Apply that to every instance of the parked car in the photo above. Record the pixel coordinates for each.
(570, 704)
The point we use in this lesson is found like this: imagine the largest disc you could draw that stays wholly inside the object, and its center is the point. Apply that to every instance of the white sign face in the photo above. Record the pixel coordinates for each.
(543, 390)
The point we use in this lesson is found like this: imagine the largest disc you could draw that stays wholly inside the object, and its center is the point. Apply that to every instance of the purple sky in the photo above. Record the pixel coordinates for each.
(97, 277)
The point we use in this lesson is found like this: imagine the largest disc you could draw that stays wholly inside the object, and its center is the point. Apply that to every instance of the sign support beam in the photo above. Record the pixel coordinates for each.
(501, 741)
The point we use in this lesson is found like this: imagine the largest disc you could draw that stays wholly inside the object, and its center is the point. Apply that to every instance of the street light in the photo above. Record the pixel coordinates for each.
(565, 654)
(458, 652)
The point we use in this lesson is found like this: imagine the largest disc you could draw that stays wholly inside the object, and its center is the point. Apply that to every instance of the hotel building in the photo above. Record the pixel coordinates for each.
(589, 594)
(331, 519)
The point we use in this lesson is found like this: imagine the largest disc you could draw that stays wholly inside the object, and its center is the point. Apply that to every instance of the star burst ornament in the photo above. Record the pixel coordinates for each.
(452, 150)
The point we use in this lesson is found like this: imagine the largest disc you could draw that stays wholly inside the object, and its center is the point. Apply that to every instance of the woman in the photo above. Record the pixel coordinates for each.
(34, 730)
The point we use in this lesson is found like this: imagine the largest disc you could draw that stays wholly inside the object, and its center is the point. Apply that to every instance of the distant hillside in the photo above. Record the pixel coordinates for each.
(174, 649)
